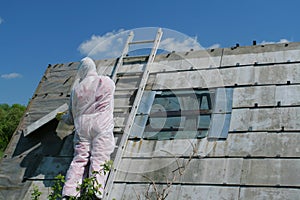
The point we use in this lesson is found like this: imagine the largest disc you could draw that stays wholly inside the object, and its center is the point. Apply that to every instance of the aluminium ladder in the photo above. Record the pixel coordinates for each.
(136, 102)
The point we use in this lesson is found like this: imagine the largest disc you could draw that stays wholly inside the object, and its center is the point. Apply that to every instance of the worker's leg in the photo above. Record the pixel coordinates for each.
(76, 170)
(102, 146)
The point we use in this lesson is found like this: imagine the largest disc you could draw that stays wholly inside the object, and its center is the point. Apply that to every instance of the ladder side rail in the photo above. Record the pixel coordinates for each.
(124, 52)
(132, 114)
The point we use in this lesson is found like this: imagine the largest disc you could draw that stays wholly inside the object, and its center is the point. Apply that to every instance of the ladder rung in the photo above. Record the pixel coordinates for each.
(142, 42)
(118, 129)
(137, 73)
(120, 107)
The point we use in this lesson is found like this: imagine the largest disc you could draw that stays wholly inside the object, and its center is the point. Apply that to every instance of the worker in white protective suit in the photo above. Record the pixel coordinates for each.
(91, 112)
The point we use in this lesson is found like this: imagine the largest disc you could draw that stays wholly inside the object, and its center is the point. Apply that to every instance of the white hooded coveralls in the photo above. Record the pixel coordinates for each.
(91, 112)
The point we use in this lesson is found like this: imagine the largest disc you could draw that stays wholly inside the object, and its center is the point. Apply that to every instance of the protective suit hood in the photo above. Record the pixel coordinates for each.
(86, 67)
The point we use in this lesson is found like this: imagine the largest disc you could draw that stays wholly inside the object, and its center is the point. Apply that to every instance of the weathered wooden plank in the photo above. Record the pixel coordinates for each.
(208, 192)
(240, 120)
(249, 75)
(119, 119)
(237, 76)
(269, 193)
(117, 191)
(265, 119)
(120, 101)
(236, 56)
(255, 144)
(127, 83)
(42, 104)
(105, 67)
(267, 172)
(184, 80)
(285, 95)
(57, 82)
(132, 191)
(288, 95)
(284, 172)
(44, 186)
(50, 167)
(213, 171)
(205, 78)
(13, 192)
(127, 68)
(186, 64)
(64, 67)
(37, 124)
(259, 95)
(209, 171)
(258, 144)
(277, 74)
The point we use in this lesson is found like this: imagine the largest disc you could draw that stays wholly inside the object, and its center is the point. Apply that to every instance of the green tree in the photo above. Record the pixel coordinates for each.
(9, 120)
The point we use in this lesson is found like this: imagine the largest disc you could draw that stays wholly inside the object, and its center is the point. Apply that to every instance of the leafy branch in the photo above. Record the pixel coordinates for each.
(86, 190)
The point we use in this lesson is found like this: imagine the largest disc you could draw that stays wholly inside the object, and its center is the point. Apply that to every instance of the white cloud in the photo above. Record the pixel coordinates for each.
(11, 76)
(214, 46)
(109, 45)
(173, 44)
(280, 41)
(1, 20)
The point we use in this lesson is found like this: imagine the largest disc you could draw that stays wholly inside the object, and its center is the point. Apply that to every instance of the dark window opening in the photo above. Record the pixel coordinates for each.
(179, 115)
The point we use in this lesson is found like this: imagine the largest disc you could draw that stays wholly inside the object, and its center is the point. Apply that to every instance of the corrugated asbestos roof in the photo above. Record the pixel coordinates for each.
(258, 159)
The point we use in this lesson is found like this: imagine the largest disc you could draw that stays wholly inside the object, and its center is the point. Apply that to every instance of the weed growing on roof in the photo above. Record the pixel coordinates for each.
(35, 194)
(87, 189)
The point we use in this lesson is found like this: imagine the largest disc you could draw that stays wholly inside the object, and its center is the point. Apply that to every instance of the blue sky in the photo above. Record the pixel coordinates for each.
(36, 33)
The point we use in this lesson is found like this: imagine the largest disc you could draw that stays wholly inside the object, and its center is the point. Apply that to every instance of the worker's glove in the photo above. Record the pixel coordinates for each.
(59, 115)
